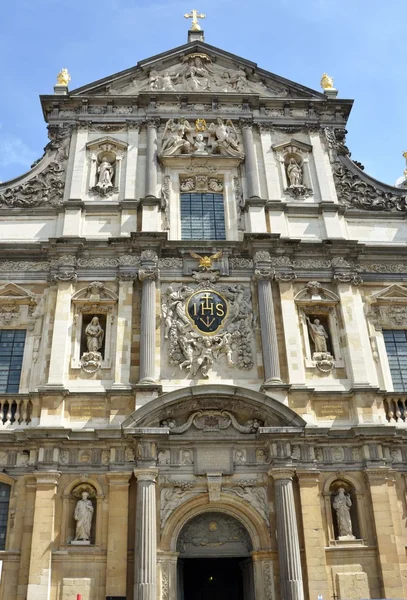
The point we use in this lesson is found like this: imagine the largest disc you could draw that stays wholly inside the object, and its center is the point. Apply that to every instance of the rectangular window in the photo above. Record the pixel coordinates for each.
(12, 343)
(202, 217)
(396, 347)
(4, 502)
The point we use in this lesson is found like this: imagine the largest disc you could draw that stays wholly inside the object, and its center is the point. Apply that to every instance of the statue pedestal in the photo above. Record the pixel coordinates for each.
(347, 541)
(80, 543)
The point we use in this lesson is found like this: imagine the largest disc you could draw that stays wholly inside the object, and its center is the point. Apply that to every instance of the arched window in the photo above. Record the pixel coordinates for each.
(4, 503)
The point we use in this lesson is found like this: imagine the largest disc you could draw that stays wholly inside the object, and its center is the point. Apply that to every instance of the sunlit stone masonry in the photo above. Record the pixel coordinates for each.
(203, 345)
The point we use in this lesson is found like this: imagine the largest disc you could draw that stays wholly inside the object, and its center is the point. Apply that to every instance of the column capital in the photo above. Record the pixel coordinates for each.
(47, 479)
(152, 122)
(146, 475)
(279, 474)
(378, 475)
(263, 274)
(308, 477)
(150, 273)
(246, 123)
(118, 479)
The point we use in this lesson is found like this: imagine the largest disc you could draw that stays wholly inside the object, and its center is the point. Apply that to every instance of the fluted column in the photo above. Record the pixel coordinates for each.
(252, 177)
(291, 585)
(148, 275)
(271, 362)
(151, 158)
(145, 563)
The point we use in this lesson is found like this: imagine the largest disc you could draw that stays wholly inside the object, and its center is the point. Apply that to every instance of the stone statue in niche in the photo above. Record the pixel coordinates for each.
(175, 138)
(83, 516)
(226, 142)
(318, 335)
(321, 355)
(94, 335)
(294, 173)
(342, 505)
(105, 173)
(92, 359)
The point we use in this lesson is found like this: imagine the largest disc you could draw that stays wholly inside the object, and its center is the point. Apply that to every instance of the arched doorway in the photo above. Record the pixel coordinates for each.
(214, 559)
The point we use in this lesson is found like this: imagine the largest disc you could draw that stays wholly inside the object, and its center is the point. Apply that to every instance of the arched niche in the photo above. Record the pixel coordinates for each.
(355, 492)
(71, 495)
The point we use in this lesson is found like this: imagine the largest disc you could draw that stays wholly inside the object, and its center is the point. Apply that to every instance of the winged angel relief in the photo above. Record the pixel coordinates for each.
(197, 73)
(196, 353)
(219, 138)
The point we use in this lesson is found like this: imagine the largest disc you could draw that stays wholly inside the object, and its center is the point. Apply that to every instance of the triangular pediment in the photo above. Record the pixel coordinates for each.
(393, 293)
(197, 67)
(12, 290)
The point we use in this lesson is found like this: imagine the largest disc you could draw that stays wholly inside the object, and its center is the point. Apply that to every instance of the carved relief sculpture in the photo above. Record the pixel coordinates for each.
(83, 516)
(226, 142)
(342, 505)
(175, 138)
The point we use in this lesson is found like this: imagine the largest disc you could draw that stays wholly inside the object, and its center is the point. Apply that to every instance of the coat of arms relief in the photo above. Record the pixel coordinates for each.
(206, 323)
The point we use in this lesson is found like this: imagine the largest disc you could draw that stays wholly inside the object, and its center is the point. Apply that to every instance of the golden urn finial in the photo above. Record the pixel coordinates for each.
(194, 15)
(327, 82)
(405, 170)
(63, 77)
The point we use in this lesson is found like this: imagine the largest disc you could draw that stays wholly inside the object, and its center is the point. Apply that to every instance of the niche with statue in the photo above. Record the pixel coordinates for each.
(94, 310)
(294, 160)
(105, 156)
(344, 511)
(82, 515)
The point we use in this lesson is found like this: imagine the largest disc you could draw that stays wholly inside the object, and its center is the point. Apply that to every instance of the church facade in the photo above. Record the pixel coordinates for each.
(203, 344)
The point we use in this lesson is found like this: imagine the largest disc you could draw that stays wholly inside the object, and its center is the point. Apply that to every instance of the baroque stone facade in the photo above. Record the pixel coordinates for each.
(184, 396)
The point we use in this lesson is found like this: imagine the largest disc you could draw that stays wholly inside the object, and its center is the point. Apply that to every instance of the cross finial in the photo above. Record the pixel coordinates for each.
(194, 15)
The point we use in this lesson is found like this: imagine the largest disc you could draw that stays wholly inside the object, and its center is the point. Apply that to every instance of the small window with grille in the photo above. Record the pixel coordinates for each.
(396, 348)
(12, 343)
(202, 217)
(4, 502)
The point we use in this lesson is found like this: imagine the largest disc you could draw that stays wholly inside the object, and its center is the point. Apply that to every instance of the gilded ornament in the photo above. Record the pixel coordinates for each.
(205, 262)
(63, 77)
(200, 125)
(327, 82)
(405, 170)
(194, 15)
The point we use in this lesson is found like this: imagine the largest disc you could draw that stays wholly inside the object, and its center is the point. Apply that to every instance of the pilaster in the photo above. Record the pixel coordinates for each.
(28, 520)
(116, 560)
(314, 538)
(389, 560)
(39, 577)
(60, 335)
(124, 332)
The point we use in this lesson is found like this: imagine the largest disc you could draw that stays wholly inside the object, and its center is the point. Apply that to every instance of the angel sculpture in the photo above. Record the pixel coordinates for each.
(205, 262)
(175, 137)
(226, 138)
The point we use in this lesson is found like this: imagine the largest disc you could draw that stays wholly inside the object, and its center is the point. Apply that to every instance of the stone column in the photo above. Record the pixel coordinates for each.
(252, 177)
(148, 275)
(379, 483)
(116, 560)
(314, 537)
(145, 549)
(291, 585)
(39, 575)
(151, 158)
(271, 362)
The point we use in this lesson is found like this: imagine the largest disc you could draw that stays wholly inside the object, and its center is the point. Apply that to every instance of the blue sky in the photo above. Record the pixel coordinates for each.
(361, 43)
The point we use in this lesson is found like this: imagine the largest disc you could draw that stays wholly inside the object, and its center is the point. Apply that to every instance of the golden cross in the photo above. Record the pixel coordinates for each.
(194, 16)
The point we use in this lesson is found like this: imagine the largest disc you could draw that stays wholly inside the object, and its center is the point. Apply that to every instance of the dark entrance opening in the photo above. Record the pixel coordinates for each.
(212, 578)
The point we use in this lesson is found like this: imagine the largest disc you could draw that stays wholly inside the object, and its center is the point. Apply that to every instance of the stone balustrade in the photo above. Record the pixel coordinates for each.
(395, 406)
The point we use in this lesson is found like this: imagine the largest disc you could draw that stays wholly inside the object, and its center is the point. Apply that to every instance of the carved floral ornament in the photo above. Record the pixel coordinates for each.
(388, 308)
(209, 421)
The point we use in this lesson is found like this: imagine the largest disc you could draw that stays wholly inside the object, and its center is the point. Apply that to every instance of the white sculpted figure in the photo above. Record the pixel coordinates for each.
(105, 171)
(83, 516)
(196, 75)
(175, 137)
(342, 505)
(226, 137)
(294, 173)
(200, 144)
(318, 335)
(94, 335)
